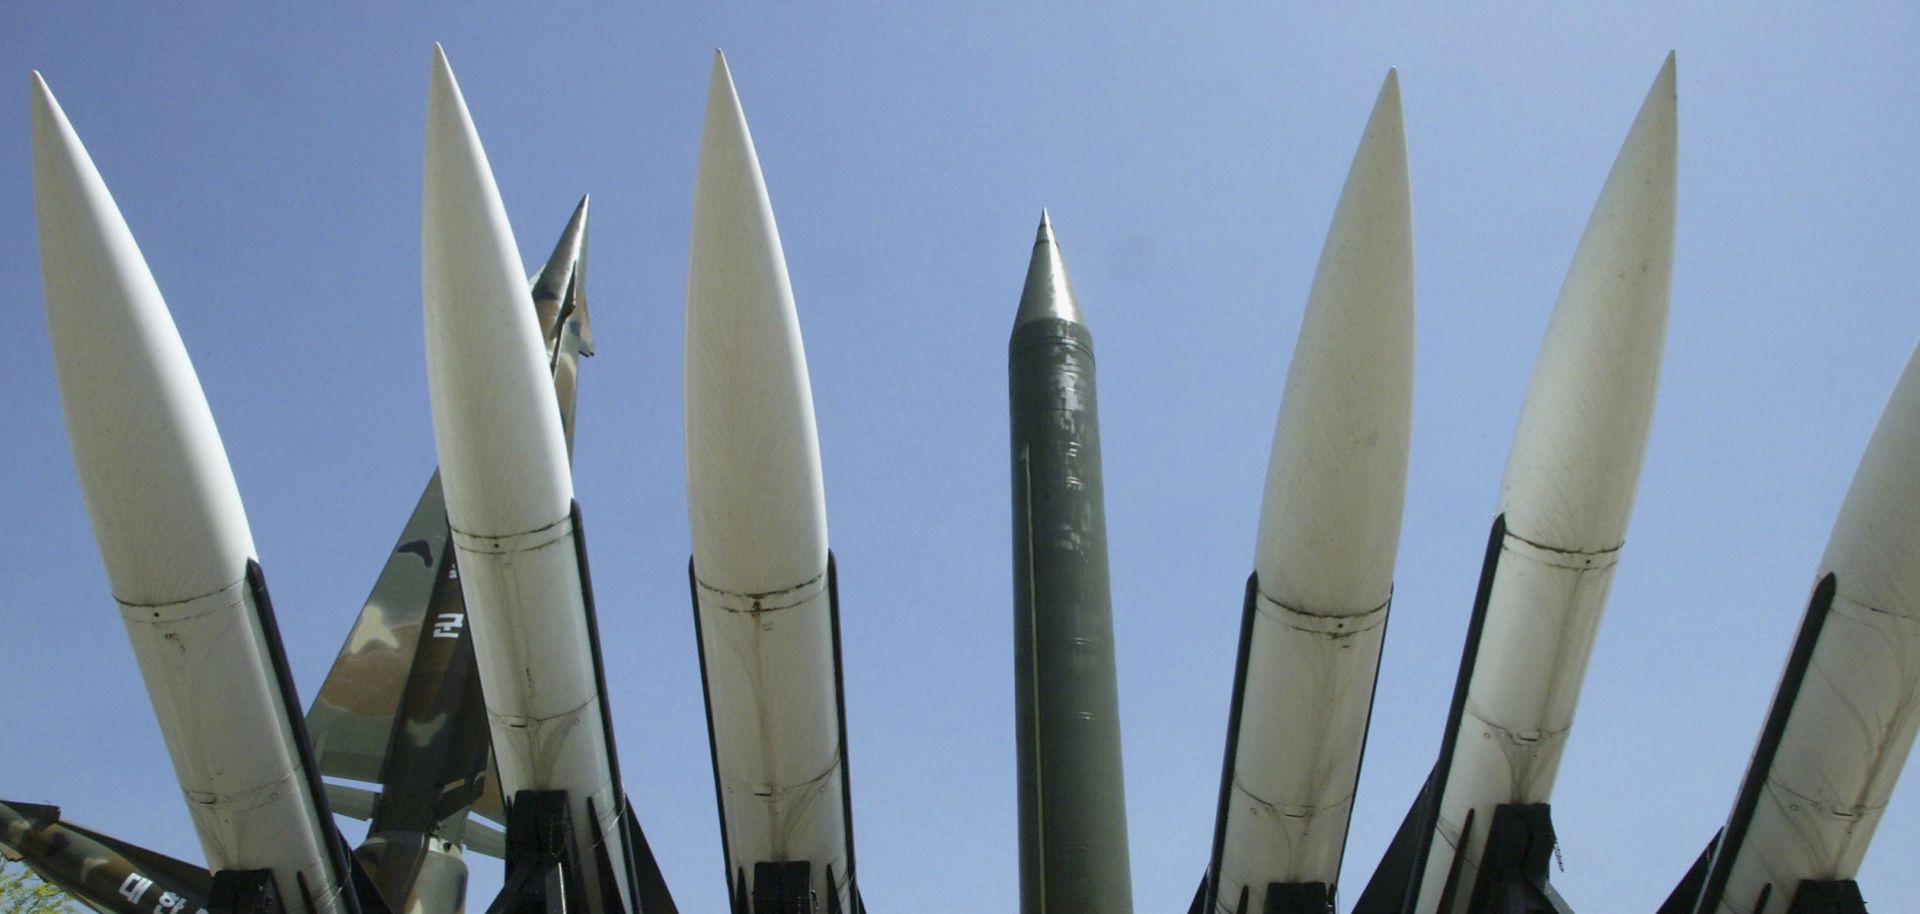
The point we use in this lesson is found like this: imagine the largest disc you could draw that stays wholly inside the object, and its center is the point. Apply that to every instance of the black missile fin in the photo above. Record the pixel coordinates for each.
(1733, 838)
(1404, 866)
(737, 886)
(1199, 905)
(1386, 892)
(840, 712)
(1210, 885)
(333, 846)
(654, 896)
(1687, 892)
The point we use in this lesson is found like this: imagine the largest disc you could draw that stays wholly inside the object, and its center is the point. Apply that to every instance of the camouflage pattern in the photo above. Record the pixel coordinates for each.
(402, 706)
(105, 873)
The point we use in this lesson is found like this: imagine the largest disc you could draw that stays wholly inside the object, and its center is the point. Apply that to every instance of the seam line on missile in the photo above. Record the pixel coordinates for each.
(152, 613)
(1842, 602)
(1821, 806)
(800, 593)
(1573, 559)
(1515, 735)
(504, 543)
(1296, 811)
(524, 720)
(1319, 623)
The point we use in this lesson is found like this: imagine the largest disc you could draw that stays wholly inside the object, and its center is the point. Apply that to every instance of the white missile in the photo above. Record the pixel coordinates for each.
(1565, 502)
(1329, 531)
(178, 552)
(762, 581)
(1818, 789)
(509, 493)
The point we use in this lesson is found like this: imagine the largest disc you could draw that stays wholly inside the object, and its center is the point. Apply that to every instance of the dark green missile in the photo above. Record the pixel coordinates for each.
(1073, 813)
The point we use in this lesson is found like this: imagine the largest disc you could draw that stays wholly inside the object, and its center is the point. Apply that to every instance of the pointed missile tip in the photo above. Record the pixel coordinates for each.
(1048, 292)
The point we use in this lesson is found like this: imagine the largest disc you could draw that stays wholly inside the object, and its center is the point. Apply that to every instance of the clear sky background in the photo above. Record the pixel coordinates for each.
(268, 161)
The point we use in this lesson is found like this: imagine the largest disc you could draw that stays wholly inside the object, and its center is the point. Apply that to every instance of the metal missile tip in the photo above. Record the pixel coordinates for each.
(1048, 292)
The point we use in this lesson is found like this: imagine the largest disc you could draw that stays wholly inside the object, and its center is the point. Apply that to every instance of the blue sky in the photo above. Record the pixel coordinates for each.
(268, 161)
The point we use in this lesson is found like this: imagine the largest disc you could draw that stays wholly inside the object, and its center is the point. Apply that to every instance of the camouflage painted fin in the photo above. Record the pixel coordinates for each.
(351, 721)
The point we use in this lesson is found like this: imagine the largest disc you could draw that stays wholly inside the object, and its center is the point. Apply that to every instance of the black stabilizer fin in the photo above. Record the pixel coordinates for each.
(1199, 905)
(1687, 893)
(1733, 838)
(736, 874)
(1386, 892)
(333, 845)
(654, 896)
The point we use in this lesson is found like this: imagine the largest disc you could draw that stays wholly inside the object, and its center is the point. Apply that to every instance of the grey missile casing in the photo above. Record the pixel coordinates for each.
(1073, 818)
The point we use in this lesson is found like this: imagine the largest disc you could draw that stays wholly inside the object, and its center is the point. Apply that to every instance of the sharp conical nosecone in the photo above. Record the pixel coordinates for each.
(756, 504)
(1330, 517)
(1048, 292)
(1583, 431)
(159, 490)
(564, 271)
(503, 456)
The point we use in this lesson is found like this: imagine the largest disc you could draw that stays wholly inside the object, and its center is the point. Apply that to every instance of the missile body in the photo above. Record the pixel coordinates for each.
(1329, 531)
(1849, 703)
(179, 555)
(1073, 814)
(105, 873)
(761, 575)
(509, 495)
(1564, 506)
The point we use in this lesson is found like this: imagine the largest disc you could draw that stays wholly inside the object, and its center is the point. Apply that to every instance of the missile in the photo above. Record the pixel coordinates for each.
(1317, 603)
(1073, 813)
(1562, 520)
(106, 873)
(560, 305)
(762, 579)
(1844, 718)
(515, 527)
(174, 538)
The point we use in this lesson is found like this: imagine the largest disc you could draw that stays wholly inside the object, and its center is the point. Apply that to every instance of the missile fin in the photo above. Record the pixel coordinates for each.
(333, 845)
(1386, 892)
(1687, 892)
(654, 896)
(1727, 850)
(840, 709)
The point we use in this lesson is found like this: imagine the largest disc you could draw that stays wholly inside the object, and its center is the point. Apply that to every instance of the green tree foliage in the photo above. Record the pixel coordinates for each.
(21, 892)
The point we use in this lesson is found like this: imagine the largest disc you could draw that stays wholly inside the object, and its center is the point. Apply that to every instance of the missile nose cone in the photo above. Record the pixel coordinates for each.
(564, 274)
(1875, 547)
(159, 490)
(1048, 292)
(502, 453)
(1336, 481)
(756, 502)
(1583, 430)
